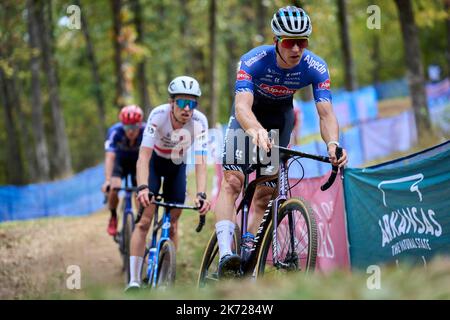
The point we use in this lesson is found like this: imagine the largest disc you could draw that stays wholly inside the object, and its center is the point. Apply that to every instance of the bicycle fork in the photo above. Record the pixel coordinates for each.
(282, 196)
(153, 259)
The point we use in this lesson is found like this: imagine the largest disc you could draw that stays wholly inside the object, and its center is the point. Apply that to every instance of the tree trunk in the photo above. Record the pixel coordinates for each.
(63, 163)
(447, 9)
(141, 77)
(185, 33)
(376, 58)
(95, 73)
(415, 68)
(349, 65)
(212, 63)
(25, 136)
(116, 6)
(248, 18)
(13, 157)
(43, 165)
(261, 22)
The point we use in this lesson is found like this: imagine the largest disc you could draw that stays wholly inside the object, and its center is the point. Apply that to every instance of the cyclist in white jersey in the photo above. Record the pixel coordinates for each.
(171, 129)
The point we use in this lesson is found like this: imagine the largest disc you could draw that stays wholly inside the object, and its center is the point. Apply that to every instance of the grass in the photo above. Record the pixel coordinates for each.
(407, 282)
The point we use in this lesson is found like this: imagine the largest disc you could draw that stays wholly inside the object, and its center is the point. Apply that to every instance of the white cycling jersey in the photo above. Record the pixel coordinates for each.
(167, 142)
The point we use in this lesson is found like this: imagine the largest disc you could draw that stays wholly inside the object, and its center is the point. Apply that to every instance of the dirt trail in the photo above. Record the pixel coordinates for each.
(34, 255)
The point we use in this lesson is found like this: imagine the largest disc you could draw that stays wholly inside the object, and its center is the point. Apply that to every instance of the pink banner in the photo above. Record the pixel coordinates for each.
(328, 207)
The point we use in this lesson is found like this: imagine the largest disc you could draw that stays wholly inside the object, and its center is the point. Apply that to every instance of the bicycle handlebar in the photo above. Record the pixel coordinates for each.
(117, 189)
(126, 189)
(334, 169)
(201, 221)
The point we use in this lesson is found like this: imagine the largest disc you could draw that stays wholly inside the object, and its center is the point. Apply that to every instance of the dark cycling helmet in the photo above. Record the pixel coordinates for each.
(131, 114)
(292, 22)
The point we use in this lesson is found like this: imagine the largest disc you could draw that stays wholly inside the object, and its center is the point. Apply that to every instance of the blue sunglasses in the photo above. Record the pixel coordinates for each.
(127, 127)
(182, 103)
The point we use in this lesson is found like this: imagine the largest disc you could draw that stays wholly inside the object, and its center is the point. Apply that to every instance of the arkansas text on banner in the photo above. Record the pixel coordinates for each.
(399, 211)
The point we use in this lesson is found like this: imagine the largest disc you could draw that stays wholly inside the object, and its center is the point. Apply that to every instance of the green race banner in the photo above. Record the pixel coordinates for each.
(399, 211)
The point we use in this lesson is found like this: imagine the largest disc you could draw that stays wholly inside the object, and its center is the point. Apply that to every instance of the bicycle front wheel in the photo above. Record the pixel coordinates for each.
(166, 265)
(296, 245)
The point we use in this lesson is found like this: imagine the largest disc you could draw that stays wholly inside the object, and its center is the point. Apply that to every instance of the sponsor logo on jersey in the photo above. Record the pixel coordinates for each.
(277, 90)
(312, 63)
(295, 83)
(258, 57)
(269, 70)
(293, 74)
(324, 85)
(242, 75)
(266, 80)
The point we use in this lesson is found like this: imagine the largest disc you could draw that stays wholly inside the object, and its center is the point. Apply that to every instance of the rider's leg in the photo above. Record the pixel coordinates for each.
(225, 209)
(113, 200)
(174, 216)
(138, 239)
(137, 245)
(261, 198)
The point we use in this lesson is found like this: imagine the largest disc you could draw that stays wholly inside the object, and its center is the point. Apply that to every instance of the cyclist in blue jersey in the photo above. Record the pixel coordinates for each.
(121, 154)
(267, 78)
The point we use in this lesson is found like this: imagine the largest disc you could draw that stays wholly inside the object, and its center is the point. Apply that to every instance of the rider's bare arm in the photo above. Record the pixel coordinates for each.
(109, 164)
(200, 173)
(145, 155)
(248, 121)
(329, 127)
(329, 130)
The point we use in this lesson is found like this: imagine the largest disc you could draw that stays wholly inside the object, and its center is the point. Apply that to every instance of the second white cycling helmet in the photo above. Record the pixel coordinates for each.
(184, 85)
(292, 22)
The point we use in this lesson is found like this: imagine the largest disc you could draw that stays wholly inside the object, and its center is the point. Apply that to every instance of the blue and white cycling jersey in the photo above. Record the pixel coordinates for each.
(259, 73)
(117, 141)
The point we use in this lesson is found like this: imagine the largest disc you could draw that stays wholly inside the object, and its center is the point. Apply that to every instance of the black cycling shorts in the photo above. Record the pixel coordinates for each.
(239, 153)
(174, 185)
(124, 166)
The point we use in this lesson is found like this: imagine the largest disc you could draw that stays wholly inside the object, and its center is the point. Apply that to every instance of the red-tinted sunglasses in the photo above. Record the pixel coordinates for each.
(289, 43)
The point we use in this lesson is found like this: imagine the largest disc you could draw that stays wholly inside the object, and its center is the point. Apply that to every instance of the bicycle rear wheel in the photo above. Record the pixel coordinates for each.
(296, 249)
(127, 231)
(166, 265)
(210, 262)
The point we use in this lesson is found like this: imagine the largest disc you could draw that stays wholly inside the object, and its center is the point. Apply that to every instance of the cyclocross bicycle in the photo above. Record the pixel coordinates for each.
(123, 237)
(286, 239)
(160, 252)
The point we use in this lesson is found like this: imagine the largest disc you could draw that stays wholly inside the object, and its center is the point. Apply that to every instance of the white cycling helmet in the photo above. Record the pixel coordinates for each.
(184, 85)
(292, 22)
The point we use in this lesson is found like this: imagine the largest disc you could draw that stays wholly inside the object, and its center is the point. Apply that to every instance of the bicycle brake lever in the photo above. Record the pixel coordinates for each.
(334, 171)
(201, 220)
(201, 223)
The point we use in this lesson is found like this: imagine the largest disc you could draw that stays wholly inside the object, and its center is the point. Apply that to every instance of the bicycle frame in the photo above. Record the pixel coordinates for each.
(281, 197)
(153, 255)
(277, 199)
(155, 243)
